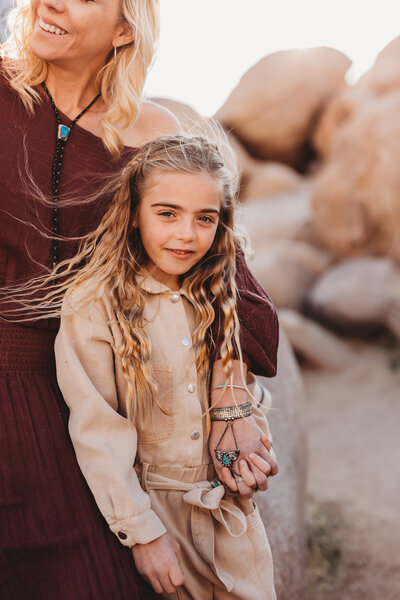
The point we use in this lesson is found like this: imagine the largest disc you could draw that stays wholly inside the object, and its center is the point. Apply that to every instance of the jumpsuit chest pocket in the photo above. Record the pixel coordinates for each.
(159, 426)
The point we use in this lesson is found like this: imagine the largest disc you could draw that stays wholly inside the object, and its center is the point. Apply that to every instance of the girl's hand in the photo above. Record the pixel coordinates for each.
(158, 563)
(255, 463)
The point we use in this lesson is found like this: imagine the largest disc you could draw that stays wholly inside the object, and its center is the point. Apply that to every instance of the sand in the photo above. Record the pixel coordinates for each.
(353, 424)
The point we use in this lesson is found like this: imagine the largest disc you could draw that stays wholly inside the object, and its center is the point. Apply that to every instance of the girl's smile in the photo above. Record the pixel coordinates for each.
(178, 219)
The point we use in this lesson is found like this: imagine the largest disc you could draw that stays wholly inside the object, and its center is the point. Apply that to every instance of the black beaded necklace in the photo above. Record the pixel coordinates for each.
(63, 132)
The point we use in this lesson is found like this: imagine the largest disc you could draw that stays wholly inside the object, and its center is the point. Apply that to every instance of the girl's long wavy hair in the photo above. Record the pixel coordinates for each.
(121, 80)
(111, 260)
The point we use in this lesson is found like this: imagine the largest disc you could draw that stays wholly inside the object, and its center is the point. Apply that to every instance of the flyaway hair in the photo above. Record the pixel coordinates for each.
(111, 260)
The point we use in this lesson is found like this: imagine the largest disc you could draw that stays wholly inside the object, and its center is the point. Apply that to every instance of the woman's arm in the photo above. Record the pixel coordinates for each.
(259, 328)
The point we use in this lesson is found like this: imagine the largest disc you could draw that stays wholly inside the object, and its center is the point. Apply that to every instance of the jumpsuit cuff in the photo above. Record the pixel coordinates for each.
(138, 529)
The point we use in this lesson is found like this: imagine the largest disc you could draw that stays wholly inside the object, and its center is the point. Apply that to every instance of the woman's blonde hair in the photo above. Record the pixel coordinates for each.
(111, 260)
(121, 80)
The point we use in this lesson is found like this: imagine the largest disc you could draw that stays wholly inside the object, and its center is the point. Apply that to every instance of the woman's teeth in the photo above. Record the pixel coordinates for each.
(51, 28)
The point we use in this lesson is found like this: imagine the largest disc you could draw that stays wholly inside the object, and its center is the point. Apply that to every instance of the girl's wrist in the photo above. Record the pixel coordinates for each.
(229, 397)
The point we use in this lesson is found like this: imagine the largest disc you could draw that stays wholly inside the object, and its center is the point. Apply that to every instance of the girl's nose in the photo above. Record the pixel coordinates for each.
(186, 231)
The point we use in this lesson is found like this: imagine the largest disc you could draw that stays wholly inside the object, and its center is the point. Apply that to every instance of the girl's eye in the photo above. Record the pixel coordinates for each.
(206, 219)
(166, 213)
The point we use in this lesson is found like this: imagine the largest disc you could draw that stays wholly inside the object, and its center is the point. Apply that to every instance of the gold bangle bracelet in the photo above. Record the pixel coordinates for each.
(230, 413)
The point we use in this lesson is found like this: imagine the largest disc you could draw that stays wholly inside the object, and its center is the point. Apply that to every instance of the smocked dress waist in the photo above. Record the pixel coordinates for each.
(26, 350)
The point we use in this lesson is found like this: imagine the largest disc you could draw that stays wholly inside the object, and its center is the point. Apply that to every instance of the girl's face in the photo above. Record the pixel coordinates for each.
(77, 32)
(178, 219)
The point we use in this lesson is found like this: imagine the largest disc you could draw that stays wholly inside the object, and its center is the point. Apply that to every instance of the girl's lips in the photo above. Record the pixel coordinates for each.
(180, 253)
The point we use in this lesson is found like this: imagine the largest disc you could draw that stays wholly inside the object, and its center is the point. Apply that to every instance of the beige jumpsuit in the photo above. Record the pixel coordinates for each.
(154, 477)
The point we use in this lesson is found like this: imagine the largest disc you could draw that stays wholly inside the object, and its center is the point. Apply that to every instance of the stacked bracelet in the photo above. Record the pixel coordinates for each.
(230, 413)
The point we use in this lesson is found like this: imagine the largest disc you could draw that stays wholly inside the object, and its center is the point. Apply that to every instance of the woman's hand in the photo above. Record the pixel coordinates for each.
(158, 563)
(255, 463)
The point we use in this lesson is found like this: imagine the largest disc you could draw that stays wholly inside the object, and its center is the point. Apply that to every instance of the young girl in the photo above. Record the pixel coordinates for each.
(133, 358)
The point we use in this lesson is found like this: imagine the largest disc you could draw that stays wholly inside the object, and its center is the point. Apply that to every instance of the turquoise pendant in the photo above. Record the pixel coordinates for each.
(63, 132)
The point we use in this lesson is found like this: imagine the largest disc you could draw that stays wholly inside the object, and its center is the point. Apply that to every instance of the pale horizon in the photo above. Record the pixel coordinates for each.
(207, 45)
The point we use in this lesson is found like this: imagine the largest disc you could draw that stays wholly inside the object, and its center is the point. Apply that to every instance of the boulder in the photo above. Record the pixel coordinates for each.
(358, 294)
(313, 342)
(268, 178)
(274, 107)
(356, 197)
(258, 178)
(287, 269)
(282, 506)
(384, 77)
(336, 113)
(287, 216)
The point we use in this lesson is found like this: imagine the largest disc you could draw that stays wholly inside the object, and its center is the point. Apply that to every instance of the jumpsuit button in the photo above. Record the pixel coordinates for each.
(122, 535)
(185, 341)
(174, 298)
(195, 435)
(191, 388)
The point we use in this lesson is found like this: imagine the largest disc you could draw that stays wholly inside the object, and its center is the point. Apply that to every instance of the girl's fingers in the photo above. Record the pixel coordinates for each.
(247, 475)
(271, 454)
(261, 471)
(156, 585)
(260, 463)
(176, 577)
(228, 478)
(264, 464)
(266, 442)
(237, 484)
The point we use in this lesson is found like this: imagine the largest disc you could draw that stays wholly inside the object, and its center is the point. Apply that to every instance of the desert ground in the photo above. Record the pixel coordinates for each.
(353, 490)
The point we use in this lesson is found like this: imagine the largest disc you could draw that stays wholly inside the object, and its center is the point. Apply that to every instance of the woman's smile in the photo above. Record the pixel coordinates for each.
(50, 27)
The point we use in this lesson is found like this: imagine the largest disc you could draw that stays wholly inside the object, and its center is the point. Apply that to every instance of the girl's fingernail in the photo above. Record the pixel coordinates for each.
(252, 455)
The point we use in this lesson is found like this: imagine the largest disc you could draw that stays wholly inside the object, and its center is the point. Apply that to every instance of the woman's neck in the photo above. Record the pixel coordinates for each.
(72, 91)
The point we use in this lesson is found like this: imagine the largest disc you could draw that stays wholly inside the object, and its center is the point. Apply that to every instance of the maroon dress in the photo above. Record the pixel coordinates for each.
(54, 543)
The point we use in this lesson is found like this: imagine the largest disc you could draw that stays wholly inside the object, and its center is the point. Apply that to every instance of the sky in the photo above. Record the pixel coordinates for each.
(207, 45)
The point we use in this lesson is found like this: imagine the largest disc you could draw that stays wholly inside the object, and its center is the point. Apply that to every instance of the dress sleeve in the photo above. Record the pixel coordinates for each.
(105, 442)
(259, 328)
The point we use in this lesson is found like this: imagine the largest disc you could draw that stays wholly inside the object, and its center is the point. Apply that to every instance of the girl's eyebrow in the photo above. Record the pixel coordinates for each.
(177, 207)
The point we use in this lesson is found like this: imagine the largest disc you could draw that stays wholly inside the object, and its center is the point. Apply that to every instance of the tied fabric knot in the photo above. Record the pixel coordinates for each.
(223, 511)
(207, 503)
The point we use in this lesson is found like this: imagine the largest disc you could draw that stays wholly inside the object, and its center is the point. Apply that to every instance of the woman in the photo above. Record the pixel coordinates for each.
(92, 58)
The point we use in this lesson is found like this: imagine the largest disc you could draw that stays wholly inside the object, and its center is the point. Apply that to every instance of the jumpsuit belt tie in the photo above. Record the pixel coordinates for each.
(207, 503)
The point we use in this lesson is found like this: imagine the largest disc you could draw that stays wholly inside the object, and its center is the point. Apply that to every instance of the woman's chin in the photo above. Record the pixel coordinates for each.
(46, 50)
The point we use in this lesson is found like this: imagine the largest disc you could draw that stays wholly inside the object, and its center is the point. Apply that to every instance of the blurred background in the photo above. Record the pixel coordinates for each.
(309, 93)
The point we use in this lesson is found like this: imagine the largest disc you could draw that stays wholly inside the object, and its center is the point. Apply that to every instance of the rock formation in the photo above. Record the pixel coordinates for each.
(274, 107)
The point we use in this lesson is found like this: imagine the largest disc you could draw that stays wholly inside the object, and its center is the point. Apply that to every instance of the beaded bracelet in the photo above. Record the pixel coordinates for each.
(230, 413)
